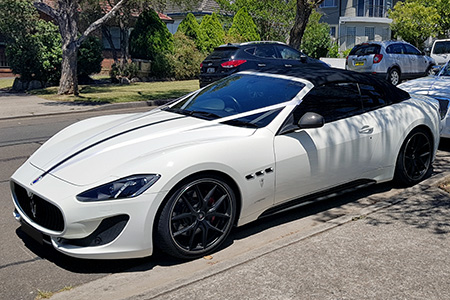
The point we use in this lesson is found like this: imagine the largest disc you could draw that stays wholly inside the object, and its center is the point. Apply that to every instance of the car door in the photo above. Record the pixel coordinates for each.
(417, 60)
(398, 58)
(290, 57)
(266, 56)
(311, 160)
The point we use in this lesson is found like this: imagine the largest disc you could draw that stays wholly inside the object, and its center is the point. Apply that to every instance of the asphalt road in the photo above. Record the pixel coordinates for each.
(27, 267)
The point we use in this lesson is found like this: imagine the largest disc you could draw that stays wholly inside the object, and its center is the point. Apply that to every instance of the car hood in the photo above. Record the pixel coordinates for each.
(430, 85)
(99, 148)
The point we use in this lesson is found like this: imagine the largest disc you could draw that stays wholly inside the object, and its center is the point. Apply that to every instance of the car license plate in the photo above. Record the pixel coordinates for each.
(359, 63)
(210, 70)
(31, 232)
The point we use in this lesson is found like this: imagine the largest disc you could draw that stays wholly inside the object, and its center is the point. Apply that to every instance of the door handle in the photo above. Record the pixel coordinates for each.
(261, 65)
(288, 66)
(366, 129)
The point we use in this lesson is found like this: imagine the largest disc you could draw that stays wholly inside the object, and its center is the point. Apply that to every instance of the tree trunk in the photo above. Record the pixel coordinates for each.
(301, 20)
(68, 83)
(68, 28)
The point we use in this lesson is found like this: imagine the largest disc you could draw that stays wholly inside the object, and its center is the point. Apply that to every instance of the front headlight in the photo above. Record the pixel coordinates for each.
(128, 187)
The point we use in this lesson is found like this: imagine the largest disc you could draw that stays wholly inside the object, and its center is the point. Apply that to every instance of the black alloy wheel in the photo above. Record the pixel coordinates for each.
(414, 160)
(197, 218)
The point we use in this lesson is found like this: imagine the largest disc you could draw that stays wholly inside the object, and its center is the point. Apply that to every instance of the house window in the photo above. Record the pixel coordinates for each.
(115, 36)
(351, 37)
(3, 62)
(370, 33)
(333, 31)
(372, 8)
(328, 3)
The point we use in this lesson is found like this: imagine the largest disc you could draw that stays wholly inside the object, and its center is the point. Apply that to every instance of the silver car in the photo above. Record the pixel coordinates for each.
(392, 60)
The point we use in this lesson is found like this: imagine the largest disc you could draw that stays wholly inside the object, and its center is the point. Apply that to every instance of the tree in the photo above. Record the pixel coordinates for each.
(316, 39)
(65, 15)
(33, 46)
(152, 40)
(303, 11)
(414, 22)
(244, 27)
(443, 10)
(213, 33)
(273, 18)
(191, 29)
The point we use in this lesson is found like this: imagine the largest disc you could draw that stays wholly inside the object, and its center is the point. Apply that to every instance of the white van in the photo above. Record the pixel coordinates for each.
(441, 51)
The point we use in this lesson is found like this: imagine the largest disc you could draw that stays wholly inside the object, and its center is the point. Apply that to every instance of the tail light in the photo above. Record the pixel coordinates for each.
(233, 63)
(201, 65)
(377, 58)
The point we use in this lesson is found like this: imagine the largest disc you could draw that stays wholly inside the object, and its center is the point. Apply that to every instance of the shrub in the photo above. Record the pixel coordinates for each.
(316, 39)
(243, 27)
(150, 37)
(123, 69)
(185, 61)
(37, 55)
(90, 57)
(151, 40)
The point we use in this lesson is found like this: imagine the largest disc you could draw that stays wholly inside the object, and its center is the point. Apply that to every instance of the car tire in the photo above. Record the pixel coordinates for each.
(197, 218)
(414, 160)
(394, 76)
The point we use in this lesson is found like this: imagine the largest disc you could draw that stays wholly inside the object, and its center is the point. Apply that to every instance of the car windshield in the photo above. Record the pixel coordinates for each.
(243, 94)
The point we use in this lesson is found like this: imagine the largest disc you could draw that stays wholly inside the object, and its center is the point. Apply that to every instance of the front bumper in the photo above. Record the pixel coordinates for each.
(98, 230)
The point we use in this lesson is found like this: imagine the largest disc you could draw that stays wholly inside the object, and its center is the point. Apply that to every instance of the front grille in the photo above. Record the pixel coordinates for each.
(39, 210)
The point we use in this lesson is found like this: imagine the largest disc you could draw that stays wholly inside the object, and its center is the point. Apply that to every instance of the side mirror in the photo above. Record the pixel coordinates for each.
(303, 58)
(435, 70)
(311, 120)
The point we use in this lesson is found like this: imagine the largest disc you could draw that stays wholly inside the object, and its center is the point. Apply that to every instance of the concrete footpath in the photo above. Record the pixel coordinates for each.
(392, 245)
(15, 105)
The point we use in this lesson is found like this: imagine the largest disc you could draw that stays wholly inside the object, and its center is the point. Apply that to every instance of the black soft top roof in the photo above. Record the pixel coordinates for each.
(318, 76)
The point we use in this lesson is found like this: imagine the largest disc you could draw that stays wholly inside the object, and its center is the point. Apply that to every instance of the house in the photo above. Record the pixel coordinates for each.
(357, 21)
(177, 13)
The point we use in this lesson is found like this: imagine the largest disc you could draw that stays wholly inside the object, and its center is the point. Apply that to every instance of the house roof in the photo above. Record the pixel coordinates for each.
(204, 6)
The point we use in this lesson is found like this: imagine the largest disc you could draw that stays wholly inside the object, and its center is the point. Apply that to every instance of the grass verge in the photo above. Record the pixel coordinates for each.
(6, 83)
(116, 93)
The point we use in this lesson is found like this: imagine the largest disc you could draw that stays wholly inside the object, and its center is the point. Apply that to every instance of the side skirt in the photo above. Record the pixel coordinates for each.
(319, 196)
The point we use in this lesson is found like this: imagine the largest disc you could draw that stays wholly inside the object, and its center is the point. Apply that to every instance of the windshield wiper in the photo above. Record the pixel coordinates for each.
(194, 113)
(204, 114)
(240, 123)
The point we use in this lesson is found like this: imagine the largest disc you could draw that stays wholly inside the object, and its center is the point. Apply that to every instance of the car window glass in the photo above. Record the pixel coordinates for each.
(332, 101)
(221, 53)
(371, 97)
(250, 51)
(395, 49)
(411, 50)
(441, 47)
(366, 49)
(266, 52)
(288, 53)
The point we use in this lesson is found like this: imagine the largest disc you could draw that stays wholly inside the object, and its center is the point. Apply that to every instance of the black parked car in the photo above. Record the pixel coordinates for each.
(228, 59)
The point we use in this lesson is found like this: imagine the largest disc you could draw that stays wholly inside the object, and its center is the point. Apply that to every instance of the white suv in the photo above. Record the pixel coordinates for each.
(392, 60)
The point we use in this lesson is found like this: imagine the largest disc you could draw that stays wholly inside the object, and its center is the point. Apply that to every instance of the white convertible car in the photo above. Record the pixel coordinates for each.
(181, 176)
(438, 87)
